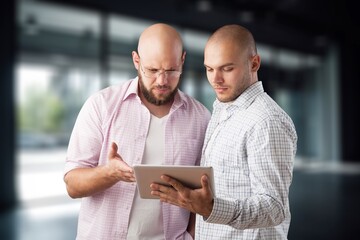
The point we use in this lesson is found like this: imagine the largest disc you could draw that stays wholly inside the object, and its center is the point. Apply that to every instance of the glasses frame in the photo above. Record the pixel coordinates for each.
(159, 72)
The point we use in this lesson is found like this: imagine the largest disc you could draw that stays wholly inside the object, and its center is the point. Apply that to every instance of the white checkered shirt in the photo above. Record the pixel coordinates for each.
(251, 144)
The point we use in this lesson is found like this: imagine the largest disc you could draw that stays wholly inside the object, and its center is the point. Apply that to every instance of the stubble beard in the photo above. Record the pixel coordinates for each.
(237, 91)
(151, 98)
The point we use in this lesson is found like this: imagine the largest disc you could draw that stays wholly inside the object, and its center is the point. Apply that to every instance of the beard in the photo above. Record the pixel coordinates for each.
(151, 98)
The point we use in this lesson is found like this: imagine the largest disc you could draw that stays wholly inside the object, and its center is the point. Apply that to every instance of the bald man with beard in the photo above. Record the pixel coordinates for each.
(146, 120)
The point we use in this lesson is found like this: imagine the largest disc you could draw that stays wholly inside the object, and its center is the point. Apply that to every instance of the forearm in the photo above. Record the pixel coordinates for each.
(254, 212)
(83, 182)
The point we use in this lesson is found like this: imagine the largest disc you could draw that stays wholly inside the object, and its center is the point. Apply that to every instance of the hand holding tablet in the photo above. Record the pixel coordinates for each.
(189, 176)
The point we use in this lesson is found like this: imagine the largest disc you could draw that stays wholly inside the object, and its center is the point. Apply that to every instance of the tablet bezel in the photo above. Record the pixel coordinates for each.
(188, 175)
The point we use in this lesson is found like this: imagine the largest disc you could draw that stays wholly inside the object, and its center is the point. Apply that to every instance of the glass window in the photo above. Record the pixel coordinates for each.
(57, 69)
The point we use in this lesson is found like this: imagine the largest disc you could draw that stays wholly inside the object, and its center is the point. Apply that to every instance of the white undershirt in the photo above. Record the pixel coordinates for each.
(146, 219)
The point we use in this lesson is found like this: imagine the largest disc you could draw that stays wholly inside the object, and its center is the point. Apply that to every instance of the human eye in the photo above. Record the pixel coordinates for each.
(208, 69)
(172, 73)
(228, 69)
(153, 70)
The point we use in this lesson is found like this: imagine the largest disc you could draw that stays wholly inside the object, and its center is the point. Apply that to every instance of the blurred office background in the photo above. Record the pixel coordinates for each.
(54, 54)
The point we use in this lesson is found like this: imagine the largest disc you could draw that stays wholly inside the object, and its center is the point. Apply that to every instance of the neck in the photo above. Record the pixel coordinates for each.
(158, 111)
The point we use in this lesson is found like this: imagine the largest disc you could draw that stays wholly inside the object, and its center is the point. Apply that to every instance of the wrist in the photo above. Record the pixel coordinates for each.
(208, 209)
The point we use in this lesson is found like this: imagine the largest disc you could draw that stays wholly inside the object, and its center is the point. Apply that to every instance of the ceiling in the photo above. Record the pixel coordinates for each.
(303, 25)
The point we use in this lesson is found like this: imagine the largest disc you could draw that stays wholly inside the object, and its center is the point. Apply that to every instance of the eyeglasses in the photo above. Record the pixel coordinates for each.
(155, 73)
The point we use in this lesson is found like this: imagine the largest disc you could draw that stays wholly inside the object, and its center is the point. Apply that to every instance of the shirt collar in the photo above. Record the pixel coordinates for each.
(244, 100)
(132, 89)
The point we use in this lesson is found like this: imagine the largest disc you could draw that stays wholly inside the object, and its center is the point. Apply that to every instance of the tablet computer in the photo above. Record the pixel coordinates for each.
(189, 176)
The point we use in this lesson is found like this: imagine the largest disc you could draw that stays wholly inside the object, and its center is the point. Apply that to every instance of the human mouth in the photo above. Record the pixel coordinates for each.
(162, 89)
(220, 89)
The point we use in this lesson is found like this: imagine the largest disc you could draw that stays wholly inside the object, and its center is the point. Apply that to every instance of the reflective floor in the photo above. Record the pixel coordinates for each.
(324, 202)
(40, 223)
(324, 205)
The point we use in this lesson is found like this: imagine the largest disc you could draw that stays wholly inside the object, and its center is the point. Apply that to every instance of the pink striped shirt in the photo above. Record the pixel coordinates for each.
(117, 114)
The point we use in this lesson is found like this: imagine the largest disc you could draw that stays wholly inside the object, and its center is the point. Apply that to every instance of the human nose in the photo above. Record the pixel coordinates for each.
(161, 78)
(216, 77)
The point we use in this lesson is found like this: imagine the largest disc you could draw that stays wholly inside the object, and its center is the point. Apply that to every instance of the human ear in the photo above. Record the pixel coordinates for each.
(255, 63)
(183, 57)
(136, 59)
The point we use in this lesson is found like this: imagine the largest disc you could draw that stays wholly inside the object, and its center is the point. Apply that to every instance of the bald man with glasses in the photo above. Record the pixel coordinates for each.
(146, 120)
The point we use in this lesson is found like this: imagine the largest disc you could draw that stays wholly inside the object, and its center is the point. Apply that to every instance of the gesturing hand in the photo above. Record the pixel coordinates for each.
(198, 201)
(118, 168)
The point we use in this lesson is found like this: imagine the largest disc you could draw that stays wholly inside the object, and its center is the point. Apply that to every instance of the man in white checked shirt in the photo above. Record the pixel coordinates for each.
(251, 144)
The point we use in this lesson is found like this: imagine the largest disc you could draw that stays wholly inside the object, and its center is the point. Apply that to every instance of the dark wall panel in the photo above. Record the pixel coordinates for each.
(7, 119)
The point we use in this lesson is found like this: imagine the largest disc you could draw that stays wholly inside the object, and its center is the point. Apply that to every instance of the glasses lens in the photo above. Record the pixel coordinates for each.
(172, 74)
(150, 73)
(156, 73)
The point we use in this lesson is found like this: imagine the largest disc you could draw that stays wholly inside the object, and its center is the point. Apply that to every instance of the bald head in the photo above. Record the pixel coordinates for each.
(160, 41)
(234, 36)
(231, 61)
(159, 59)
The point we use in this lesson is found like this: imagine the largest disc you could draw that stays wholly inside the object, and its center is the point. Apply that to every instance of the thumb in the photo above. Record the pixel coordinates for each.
(205, 183)
(113, 151)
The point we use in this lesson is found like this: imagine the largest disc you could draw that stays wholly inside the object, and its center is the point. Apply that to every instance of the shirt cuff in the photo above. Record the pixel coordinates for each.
(223, 211)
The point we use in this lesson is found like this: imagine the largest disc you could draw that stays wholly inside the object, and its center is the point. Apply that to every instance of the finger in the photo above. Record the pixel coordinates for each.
(155, 186)
(113, 151)
(130, 178)
(166, 194)
(174, 183)
(123, 166)
(127, 176)
(160, 188)
(155, 193)
(171, 196)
